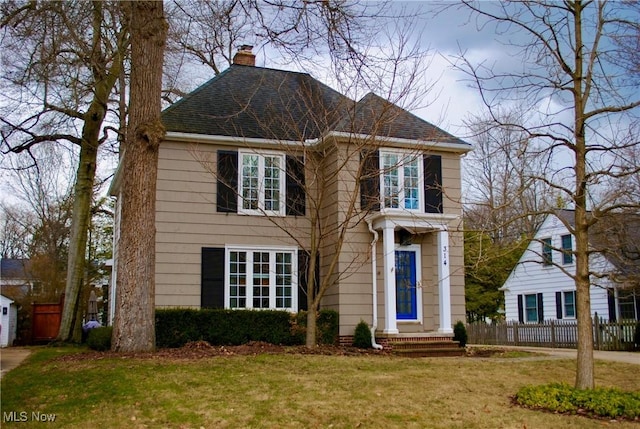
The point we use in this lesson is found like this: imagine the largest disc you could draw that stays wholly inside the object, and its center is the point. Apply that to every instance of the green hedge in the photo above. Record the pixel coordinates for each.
(177, 327)
(562, 398)
(100, 338)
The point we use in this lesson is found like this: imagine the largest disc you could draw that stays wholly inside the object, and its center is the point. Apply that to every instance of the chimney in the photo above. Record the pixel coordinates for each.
(244, 56)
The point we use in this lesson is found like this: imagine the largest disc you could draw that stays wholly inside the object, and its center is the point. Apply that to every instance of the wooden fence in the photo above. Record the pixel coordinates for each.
(45, 322)
(554, 333)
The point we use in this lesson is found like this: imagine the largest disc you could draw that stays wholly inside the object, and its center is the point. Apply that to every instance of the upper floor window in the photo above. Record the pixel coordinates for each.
(401, 180)
(567, 249)
(261, 184)
(547, 251)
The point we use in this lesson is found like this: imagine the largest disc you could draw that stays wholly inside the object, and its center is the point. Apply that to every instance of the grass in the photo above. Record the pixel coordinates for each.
(292, 391)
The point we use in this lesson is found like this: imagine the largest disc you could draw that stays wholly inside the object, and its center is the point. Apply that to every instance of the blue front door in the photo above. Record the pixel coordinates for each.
(406, 285)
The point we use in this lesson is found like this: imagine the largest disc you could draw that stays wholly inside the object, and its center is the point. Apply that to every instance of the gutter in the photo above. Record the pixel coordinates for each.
(374, 286)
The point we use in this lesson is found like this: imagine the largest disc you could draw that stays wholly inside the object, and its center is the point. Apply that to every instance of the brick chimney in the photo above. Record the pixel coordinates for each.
(244, 56)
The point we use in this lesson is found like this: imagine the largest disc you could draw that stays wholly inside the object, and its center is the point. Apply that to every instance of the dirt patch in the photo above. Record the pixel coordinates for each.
(202, 349)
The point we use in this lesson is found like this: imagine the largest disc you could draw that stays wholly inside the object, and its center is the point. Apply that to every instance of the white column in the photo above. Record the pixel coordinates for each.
(444, 286)
(388, 247)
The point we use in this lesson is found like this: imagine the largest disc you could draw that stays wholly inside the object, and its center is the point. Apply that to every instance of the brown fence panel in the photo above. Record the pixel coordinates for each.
(45, 323)
(555, 333)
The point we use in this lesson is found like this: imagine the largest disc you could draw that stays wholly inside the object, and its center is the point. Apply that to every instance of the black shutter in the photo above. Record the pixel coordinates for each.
(227, 198)
(520, 309)
(212, 278)
(433, 184)
(296, 200)
(540, 309)
(611, 300)
(558, 305)
(637, 298)
(370, 181)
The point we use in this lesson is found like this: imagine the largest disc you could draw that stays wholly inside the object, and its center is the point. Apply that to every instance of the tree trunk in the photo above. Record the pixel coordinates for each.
(134, 327)
(584, 362)
(85, 179)
(312, 327)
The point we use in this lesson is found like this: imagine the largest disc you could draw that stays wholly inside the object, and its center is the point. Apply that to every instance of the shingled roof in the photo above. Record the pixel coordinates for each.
(255, 102)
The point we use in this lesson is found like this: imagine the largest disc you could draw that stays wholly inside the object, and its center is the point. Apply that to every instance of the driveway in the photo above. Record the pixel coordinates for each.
(11, 357)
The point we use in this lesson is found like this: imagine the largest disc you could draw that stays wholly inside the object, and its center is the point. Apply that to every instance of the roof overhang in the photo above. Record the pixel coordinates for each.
(414, 223)
(440, 146)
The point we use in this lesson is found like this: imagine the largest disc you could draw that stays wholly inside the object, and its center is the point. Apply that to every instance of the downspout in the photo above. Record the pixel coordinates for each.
(374, 286)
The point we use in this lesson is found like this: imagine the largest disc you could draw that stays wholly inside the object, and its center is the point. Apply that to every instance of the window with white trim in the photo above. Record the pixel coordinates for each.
(569, 304)
(531, 308)
(261, 183)
(627, 306)
(261, 278)
(547, 251)
(567, 249)
(401, 180)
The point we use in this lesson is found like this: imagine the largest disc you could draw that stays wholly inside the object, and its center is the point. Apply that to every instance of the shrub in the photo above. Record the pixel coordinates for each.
(100, 338)
(177, 327)
(560, 397)
(460, 333)
(327, 326)
(362, 336)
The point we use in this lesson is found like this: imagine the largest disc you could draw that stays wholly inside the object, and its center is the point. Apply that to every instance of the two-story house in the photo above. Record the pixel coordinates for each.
(258, 163)
(540, 287)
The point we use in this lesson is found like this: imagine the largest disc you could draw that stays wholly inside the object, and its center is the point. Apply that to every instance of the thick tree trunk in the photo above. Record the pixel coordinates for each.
(585, 368)
(134, 327)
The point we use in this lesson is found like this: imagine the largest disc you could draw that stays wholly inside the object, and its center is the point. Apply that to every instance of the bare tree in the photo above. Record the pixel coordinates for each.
(584, 104)
(134, 325)
(61, 62)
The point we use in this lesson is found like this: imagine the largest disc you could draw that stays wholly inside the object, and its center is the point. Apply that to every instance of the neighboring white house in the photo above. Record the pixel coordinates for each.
(8, 321)
(540, 287)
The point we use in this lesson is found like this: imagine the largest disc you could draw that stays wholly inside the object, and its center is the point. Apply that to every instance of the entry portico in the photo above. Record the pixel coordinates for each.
(402, 264)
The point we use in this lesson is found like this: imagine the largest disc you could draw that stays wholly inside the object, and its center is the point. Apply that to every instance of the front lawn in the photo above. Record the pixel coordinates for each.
(289, 391)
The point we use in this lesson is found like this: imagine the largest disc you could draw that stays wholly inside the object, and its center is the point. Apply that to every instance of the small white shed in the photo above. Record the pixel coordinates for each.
(8, 321)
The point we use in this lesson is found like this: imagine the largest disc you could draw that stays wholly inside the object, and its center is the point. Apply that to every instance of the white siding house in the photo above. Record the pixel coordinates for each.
(540, 287)
(8, 321)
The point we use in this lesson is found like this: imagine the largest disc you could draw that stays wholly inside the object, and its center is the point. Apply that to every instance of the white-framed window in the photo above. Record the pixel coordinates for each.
(531, 308)
(261, 278)
(569, 304)
(627, 306)
(261, 183)
(567, 249)
(401, 180)
(547, 251)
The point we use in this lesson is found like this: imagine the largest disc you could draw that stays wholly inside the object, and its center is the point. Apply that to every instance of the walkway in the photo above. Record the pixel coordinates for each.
(11, 357)
(624, 357)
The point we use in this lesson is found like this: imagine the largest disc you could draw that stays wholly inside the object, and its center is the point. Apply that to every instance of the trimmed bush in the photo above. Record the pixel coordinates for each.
(562, 398)
(327, 327)
(100, 338)
(362, 336)
(460, 333)
(176, 327)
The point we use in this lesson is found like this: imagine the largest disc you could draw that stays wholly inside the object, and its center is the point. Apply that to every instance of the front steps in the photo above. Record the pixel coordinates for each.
(424, 346)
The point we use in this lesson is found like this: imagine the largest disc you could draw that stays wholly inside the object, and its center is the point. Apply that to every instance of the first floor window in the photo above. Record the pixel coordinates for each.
(569, 304)
(262, 279)
(627, 304)
(531, 308)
